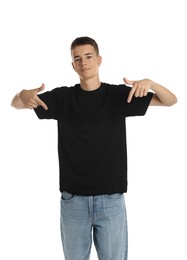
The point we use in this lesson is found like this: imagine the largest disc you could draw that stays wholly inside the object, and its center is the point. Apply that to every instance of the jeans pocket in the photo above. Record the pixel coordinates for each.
(66, 196)
(114, 195)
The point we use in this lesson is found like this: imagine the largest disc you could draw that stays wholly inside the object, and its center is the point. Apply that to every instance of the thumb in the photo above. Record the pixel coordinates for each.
(40, 88)
(128, 82)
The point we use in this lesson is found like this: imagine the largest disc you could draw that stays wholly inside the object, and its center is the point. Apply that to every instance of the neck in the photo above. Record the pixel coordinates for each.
(90, 84)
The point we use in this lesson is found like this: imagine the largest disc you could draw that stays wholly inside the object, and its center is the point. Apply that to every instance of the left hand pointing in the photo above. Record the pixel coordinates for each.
(140, 88)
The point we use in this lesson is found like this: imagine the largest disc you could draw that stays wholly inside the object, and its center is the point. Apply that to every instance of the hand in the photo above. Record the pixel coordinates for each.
(140, 88)
(30, 98)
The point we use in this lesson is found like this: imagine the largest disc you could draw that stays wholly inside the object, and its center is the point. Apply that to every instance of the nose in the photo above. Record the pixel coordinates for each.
(83, 61)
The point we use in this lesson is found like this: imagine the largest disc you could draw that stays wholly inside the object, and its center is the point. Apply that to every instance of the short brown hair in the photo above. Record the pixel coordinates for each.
(83, 41)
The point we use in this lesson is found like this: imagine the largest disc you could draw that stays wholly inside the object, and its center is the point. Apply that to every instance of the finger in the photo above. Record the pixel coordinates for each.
(41, 103)
(32, 104)
(131, 93)
(138, 92)
(141, 94)
(128, 82)
(142, 91)
(145, 92)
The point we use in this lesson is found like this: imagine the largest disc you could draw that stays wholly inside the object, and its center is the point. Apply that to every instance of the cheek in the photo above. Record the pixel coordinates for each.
(75, 67)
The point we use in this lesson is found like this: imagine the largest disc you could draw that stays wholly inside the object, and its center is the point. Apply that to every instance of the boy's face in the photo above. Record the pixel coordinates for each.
(85, 61)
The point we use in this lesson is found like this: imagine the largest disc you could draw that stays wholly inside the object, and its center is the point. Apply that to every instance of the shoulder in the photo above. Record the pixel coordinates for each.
(57, 95)
(59, 92)
(62, 90)
(118, 89)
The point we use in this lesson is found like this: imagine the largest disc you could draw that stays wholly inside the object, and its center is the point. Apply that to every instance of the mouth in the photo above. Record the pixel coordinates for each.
(84, 69)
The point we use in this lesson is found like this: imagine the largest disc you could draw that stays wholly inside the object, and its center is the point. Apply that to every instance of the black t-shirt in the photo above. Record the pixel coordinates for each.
(92, 136)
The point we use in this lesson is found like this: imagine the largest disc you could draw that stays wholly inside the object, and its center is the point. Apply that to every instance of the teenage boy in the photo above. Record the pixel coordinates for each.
(92, 150)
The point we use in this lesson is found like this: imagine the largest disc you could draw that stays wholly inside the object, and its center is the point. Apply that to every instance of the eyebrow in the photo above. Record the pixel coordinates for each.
(86, 54)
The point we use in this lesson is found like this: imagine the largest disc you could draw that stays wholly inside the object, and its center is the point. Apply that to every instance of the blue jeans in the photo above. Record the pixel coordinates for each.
(104, 216)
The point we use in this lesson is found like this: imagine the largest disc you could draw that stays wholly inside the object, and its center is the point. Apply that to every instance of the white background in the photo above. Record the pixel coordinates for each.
(137, 39)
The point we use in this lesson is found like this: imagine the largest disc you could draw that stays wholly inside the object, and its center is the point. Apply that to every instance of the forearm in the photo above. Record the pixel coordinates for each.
(163, 95)
(17, 102)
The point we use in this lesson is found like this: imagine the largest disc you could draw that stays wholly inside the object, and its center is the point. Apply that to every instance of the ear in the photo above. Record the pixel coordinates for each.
(73, 66)
(99, 60)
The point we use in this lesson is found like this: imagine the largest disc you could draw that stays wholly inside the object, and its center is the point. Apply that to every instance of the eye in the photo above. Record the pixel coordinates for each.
(77, 59)
(89, 57)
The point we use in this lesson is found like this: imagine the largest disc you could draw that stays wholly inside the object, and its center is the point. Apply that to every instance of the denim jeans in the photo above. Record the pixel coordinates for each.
(102, 217)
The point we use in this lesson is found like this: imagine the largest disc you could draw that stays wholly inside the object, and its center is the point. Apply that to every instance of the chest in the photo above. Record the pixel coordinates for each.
(91, 115)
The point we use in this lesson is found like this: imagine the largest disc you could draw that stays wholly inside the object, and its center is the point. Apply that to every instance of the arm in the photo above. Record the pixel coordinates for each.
(28, 99)
(162, 96)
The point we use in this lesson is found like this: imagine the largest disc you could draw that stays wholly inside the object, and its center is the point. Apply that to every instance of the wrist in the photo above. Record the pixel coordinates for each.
(154, 85)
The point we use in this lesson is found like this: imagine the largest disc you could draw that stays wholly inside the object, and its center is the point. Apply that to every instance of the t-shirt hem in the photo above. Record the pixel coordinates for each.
(94, 193)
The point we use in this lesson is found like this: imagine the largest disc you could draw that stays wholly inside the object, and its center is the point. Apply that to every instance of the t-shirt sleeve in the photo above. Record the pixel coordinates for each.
(138, 105)
(51, 99)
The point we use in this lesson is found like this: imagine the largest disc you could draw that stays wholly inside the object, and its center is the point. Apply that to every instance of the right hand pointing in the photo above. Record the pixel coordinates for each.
(30, 98)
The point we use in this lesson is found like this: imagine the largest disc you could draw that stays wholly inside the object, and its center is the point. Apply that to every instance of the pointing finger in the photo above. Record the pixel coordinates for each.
(131, 93)
(41, 103)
